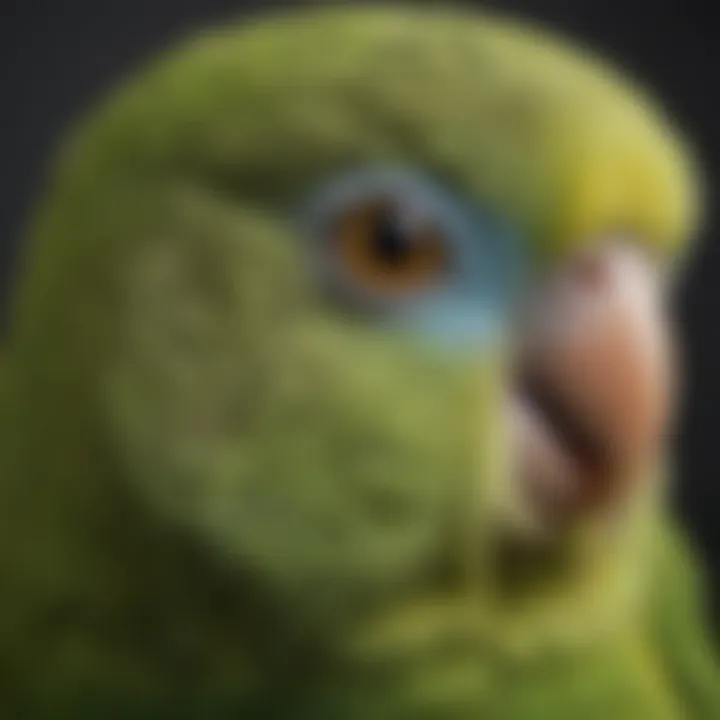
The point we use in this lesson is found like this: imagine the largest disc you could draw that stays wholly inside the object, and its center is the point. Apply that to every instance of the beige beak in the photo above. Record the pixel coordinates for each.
(595, 380)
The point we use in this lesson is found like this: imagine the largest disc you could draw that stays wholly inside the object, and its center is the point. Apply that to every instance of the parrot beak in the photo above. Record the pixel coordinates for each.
(594, 384)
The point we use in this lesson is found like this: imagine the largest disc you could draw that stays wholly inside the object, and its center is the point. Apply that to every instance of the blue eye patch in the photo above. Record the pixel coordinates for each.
(469, 297)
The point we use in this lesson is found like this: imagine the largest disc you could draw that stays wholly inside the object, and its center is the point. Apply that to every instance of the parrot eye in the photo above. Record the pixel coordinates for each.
(383, 238)
(396, 247)
(386, 246)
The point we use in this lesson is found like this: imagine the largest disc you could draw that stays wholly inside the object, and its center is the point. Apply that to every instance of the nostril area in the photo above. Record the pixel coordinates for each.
(592, 270)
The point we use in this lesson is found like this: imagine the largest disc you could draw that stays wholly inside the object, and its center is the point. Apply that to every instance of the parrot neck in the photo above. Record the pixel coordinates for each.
(578, 587)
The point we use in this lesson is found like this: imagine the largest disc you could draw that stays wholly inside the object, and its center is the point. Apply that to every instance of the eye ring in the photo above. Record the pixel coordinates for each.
(383, 237)
(454, 273)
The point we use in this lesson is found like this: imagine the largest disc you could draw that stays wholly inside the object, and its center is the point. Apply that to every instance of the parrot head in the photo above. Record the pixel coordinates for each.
(370, 303)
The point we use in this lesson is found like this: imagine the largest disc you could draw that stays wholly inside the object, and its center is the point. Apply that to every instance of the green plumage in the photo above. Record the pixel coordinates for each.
(219, 497)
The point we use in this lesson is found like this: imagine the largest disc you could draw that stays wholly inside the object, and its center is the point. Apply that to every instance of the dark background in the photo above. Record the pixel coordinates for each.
(56, 57)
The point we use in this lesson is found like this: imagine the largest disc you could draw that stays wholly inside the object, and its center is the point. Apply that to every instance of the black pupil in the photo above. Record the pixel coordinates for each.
(391, 242)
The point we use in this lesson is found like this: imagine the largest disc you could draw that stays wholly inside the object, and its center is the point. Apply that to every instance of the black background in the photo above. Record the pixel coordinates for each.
(56, 57)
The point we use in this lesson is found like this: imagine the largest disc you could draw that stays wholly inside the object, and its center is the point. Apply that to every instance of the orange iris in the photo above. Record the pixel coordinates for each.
(385, 252)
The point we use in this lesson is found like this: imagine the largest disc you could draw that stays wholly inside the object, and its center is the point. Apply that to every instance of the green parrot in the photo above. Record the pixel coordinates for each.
(338, 384)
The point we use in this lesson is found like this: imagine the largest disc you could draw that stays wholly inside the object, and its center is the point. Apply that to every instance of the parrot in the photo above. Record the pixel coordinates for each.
(339, 383)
